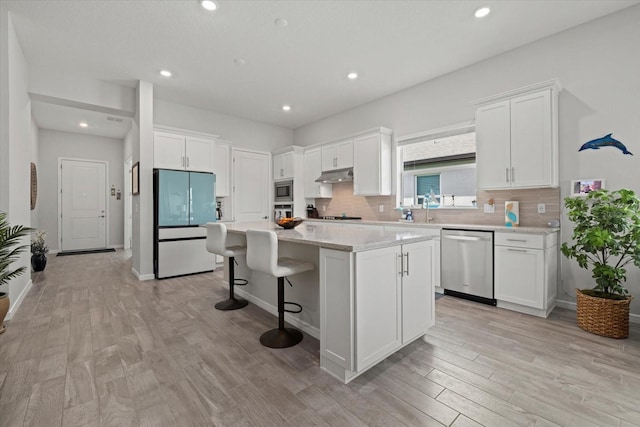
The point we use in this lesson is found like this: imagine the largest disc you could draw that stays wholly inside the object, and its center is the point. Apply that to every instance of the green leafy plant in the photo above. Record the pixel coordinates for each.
(606, 238)
(10, 248)
(38, 245)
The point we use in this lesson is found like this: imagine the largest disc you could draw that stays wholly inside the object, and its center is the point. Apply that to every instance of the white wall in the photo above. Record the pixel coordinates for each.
(240, 132)
(82, 92)
(34, 159)
(15, 146)
(598, 66)
(142, 149)
(55, 144)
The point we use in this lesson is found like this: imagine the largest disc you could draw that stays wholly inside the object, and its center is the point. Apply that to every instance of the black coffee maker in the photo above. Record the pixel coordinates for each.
(312, 212)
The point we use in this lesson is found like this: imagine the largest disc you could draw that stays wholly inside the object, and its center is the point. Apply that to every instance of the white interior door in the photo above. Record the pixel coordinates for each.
(83, 205)
(251, 185)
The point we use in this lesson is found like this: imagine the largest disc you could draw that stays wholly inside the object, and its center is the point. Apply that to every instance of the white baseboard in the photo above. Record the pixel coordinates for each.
(15, 305)
(300, 324)
(121, 246)
(142, 277)
(571, 305)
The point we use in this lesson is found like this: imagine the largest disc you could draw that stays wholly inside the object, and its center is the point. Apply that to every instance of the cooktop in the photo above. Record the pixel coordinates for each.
(341, 217)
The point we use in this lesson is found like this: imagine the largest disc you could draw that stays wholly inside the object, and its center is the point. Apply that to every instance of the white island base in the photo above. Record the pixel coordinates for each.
(370, 294)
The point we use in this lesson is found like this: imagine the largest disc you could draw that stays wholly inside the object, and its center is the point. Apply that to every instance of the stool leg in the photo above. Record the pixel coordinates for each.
(232, 303)
(281, 337)
(281, 303)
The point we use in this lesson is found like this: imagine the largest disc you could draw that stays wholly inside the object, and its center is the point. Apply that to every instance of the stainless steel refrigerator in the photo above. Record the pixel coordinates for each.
(183, 201)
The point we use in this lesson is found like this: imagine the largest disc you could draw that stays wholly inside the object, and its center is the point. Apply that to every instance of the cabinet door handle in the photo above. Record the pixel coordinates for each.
(506, 171)
(182, 161)
(517, 240)
(401, 269)
(406, 271)
(512, 178)
(187, 162)
(517, 250)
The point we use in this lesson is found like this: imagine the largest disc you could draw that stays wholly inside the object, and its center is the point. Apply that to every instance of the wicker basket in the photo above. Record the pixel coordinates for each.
(601, 316)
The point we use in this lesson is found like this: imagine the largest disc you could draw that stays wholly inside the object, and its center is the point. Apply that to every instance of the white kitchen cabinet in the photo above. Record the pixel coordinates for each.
(168, 150)
(174, 151)
(338, 155)
(434, 232)
(394, 299)
(374, 302)
(199, 154)
(372, 164)
(222, 168)
(517, 138)
(283, 166)
(526, 272)
(312, 170)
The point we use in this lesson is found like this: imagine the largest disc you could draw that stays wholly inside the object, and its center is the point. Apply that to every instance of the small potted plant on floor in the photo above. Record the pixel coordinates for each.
(39, 250)
(10, 248)
(606, 239)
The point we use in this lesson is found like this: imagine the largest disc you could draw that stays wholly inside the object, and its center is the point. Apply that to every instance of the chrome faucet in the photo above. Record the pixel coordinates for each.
(425, 204)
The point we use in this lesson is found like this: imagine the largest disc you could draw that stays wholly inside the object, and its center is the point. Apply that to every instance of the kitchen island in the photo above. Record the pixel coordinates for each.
(370, 294)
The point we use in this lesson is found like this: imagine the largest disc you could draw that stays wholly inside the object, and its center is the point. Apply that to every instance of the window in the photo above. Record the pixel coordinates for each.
(438, 168)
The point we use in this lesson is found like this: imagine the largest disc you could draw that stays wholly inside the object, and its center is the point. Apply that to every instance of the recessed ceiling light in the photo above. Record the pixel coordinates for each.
(239, 61)
(286, 108)
(281, 22)
(84, 125)
(352, 75)
(165, 73)
(482, 12)
(209, 5)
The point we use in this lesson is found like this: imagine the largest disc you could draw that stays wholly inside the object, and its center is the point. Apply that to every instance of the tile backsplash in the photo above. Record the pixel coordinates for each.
(343, 201)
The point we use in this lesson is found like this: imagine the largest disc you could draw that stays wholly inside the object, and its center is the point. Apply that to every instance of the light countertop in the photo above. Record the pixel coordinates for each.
(438, 225)
(327, 236)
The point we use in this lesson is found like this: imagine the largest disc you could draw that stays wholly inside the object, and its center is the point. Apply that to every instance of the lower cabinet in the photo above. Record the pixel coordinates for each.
(526, 272)
(388, 302)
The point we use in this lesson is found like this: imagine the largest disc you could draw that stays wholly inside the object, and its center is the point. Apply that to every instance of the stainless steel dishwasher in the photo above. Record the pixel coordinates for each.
(467, 264)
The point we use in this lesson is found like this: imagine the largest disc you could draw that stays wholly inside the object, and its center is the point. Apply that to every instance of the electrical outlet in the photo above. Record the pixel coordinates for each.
(380, 208)
(324, 208)
(542, 208)
(489, 208)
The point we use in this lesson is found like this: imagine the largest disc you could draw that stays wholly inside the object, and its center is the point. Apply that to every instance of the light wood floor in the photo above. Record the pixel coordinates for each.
(92, 346)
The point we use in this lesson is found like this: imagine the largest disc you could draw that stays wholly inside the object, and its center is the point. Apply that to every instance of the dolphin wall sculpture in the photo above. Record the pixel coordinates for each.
(605, 141)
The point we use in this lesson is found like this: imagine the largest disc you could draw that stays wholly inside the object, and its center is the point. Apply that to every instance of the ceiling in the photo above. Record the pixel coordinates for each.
(392, 45)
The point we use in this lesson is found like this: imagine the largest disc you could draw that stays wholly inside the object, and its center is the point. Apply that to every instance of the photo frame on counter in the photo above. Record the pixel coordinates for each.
(135, 179)
(582, 187)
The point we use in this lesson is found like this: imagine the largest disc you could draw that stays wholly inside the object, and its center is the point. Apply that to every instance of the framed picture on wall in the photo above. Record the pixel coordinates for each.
(135, 179)
(582, 187)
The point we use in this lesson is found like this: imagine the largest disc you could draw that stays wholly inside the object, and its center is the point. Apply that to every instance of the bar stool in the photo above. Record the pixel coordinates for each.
(217, 244)
(262, 255)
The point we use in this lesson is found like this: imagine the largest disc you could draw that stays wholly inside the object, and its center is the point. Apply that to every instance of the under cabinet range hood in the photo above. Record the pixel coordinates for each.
(338, 175)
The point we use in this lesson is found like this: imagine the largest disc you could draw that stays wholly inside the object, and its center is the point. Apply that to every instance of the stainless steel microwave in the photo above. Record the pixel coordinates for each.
(283, 191)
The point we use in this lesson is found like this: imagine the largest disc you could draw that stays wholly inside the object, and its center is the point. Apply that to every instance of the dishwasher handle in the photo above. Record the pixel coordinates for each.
(466, 238)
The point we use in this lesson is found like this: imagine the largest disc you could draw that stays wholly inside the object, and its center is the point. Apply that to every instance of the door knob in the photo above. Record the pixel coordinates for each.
(101, 216)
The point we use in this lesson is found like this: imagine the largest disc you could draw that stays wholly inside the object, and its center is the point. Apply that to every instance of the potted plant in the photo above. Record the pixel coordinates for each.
(606, 239)
(39, 250)
(9, 251)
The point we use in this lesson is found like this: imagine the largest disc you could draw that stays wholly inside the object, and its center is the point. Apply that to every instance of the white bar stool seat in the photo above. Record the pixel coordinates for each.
(262, 255)
(217, 244)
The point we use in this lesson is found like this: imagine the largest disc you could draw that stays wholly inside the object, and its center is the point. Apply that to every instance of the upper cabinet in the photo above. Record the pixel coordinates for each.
(173, 151)
(517, 138)
(372, 164)
(283, 166)
(337, 155)
(193, 153)
(312, 170)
